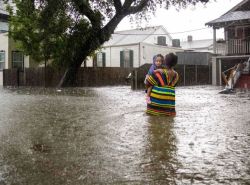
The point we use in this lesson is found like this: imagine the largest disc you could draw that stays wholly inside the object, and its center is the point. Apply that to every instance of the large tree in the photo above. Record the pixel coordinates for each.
(67, 31)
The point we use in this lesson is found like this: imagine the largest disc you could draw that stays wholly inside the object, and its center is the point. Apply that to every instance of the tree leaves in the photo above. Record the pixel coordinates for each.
(67, 31)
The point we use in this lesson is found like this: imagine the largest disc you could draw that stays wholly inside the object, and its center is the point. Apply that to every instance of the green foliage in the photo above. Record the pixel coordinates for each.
(67, 31)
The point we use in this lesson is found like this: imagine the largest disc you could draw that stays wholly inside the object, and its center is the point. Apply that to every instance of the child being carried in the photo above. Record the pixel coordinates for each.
(157, 64)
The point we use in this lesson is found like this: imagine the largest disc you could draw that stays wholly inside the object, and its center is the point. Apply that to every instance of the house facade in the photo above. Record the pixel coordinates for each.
(10, 56)
(205, 45)
(133, 48)
(236, 43)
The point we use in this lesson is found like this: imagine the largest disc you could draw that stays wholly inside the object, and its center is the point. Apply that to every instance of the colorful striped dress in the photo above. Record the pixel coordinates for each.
(162, 96)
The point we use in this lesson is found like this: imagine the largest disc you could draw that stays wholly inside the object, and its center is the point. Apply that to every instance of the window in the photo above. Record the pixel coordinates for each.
(161, 40)
(126, 58)
(101, 59)
(2, 60)
(17, 59)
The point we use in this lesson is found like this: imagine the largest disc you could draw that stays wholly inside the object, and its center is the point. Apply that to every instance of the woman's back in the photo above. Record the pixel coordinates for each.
(168, 77)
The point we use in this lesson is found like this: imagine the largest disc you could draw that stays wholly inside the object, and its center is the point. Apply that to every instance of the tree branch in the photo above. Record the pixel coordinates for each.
(109, 28)
(137, 8)
(127, 4)
(118, 5)
(85, 9)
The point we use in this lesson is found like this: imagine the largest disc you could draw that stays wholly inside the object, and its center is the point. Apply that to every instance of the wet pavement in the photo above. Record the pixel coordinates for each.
(103, 136)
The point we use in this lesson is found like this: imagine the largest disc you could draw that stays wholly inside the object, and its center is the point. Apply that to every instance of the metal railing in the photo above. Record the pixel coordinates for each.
(233, 47)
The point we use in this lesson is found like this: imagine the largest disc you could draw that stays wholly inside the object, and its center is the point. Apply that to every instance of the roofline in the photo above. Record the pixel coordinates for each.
(132, 44)
(161, 46)
(197, 40)
(137, 29)
(237, 6)
(224, 24)
(135, 44)
(199, 48)
(231, 10)
(164, 29)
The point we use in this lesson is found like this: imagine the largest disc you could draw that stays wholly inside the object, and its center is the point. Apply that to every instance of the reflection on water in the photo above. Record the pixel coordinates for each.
(102, 136)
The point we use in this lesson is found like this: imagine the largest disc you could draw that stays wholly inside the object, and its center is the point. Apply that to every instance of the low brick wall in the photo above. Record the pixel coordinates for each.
(85, 77)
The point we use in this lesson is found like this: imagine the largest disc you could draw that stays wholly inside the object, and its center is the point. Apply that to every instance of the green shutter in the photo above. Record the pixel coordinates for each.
(131, 58)
(121, 58)
(95, 60)
(103, 59)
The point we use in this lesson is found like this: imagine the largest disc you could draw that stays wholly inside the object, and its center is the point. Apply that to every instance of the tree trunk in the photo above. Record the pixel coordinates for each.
(94, 41)
(69, 79)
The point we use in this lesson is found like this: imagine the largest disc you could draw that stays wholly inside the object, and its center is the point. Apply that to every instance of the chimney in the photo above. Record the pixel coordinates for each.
(190, 38)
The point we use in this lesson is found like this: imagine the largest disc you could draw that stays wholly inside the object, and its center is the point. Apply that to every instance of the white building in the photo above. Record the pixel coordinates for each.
(133, 48)
(205, 45)
(10, 56)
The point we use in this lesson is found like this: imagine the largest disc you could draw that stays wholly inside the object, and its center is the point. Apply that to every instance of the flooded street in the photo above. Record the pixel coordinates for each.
(103, 136)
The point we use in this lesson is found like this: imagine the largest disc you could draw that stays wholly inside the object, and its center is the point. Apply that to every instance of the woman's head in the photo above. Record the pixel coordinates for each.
(158, 60)
(171, 60)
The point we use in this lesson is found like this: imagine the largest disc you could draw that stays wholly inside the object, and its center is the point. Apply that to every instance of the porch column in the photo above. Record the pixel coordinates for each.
(220, 73)
(214, 39)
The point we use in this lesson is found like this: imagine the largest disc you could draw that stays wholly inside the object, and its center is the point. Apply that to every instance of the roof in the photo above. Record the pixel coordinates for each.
(197, 44)
(138, 35)
(238, 14)
(230, 17)
(242, 6)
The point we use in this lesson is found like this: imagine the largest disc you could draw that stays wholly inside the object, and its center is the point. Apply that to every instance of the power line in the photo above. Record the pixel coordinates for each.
(160, 33)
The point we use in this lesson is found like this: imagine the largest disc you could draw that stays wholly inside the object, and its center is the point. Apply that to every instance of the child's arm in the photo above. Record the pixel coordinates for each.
(148, 94)
(149, 90)
(158, 70)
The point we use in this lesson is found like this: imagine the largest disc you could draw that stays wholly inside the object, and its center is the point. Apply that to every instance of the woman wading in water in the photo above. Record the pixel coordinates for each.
(163, 82)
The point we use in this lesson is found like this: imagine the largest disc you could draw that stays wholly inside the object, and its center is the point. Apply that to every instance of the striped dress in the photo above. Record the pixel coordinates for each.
(162, 96)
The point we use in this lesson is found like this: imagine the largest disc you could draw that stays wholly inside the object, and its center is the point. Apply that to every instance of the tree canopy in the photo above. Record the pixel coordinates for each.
(67, 31)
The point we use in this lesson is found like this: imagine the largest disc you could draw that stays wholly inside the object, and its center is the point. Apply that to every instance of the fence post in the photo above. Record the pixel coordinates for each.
(18, 78)
(196, 75)
(24, 77)
(136, 79)
(184, 75)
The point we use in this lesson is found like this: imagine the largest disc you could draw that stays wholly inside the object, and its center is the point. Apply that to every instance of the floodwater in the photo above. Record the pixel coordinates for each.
(103, 136)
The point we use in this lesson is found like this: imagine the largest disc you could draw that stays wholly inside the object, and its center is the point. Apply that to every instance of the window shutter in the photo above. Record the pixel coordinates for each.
(103, 59)
(131, 58)
(95, 60)
(121, 58)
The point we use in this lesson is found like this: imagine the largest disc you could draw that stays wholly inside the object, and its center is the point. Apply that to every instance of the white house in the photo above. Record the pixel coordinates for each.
(10, 56)
(133, 48)
(205, 45)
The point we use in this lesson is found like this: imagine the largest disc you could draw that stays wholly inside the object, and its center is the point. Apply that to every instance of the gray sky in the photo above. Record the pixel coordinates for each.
(187, 19)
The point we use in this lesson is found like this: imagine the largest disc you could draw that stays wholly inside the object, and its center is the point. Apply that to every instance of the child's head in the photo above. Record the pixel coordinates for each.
(158, 60)
(171, 60)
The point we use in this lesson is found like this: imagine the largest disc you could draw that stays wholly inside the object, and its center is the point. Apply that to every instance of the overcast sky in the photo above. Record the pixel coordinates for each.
(187, 19)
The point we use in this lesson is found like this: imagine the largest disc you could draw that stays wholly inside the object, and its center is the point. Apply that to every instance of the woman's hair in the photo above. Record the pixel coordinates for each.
(171, 60)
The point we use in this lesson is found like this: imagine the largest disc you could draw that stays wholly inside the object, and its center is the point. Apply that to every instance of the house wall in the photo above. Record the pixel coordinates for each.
(4, 47)
(113, 55)
(1, 78)
(143, 53)
(152, 39)
(28, 61)
(149, 50)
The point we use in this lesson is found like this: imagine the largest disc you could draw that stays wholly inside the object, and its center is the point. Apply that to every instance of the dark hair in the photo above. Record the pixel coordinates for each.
(161, 56)
(171, 60)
